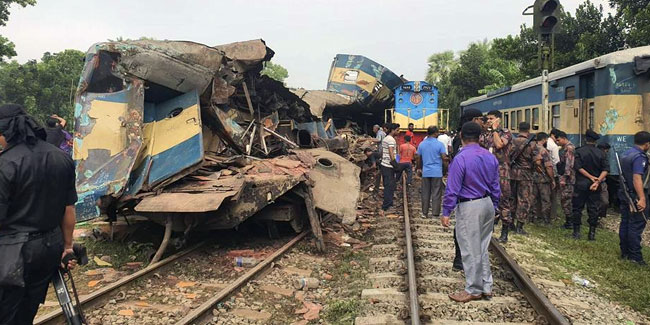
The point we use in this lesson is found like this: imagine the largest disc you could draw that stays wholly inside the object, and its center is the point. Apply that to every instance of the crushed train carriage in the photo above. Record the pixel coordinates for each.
(193, 136)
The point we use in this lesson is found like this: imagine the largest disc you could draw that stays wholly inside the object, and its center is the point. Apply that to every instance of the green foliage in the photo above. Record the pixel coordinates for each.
(275, 71)
(619, 280)
(7, 49)
(342, 311)
(44, 88)
(4, 8)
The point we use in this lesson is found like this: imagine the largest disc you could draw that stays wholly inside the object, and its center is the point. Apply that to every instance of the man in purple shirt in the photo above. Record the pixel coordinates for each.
(473, 191)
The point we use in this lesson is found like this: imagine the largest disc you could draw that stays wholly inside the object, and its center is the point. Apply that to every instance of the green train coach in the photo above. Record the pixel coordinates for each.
(609, 94)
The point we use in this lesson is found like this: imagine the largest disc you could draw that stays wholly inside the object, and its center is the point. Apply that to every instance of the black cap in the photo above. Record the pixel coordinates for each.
(471, 130)
(524, 126)
(591, 135)
(471, 113)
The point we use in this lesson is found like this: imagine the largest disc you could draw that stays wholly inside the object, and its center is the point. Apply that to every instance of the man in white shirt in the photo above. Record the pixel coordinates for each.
(445, 139)
(554, 150)
(388, 153)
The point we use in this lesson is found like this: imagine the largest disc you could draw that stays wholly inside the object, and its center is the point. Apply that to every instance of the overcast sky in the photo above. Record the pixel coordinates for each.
(305, 34)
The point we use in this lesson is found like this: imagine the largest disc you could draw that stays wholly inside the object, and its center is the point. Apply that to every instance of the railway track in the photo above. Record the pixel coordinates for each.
(412, 276)
(214, 289)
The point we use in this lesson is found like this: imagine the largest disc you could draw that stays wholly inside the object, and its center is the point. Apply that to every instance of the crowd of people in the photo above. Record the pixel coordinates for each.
(494, 175)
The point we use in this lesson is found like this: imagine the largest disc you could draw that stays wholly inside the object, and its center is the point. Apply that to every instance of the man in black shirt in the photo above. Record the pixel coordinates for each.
(37, 216)
(592, 167)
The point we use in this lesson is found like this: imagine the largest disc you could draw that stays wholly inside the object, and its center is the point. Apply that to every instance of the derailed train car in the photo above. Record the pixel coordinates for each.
(193, 136)
(367, 85)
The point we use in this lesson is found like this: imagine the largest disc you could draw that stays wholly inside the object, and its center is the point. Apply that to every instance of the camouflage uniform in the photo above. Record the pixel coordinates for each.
(503, 156)
(567, 180)
(543, 185)
(522, 174)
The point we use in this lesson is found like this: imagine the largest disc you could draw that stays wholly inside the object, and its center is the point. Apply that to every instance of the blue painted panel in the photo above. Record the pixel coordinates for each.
(416, 101)
(526, 97)
(617, 79)
(359, 62)
(137, 178)
(170, 162)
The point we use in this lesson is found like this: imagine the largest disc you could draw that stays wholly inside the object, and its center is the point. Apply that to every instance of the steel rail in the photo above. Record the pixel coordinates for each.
(198, 314)
(94, 298)
(535, 297)
(413, 290)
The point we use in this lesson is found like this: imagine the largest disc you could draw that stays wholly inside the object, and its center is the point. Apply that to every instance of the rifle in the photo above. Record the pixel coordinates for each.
(631, 202)
(72, 312)
(514, 157)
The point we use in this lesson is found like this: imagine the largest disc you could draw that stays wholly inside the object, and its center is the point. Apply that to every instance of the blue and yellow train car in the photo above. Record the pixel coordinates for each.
(365, 81)
(609, 94)
(417, 102)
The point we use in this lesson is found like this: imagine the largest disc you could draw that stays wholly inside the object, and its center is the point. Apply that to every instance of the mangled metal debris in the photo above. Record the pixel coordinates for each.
(193, 136)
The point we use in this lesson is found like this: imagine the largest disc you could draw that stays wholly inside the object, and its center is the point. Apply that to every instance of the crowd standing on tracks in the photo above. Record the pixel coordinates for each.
(534, 173)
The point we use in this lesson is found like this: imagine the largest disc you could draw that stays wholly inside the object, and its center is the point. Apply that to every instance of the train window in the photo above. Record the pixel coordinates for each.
(351, 76)
(570, 93)
(518, 119)
(591, 115)
(506, 120)
(513, 121)
(535, 123)
(527, 114)
(555, 122)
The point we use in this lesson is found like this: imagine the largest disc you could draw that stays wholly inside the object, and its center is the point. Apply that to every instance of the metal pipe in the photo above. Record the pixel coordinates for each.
(413, 290)
(281, 137)
(165, 241)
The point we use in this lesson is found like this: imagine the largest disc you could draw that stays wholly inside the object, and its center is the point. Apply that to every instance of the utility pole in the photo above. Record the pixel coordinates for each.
(546, 15)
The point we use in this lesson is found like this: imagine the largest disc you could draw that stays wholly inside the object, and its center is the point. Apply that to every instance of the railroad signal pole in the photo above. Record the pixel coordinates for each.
(546, 18)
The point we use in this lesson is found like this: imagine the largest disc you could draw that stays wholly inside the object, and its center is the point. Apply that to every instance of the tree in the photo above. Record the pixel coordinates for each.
(44, 88)
(7, 48)
(634, 15)
(440, 64)
(275, 71)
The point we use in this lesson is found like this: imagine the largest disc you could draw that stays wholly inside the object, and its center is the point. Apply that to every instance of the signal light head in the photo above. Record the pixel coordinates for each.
(549, 22)
(549, 6)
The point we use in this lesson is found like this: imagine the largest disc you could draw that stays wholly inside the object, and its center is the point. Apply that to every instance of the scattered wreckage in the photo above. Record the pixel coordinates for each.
(193, 137)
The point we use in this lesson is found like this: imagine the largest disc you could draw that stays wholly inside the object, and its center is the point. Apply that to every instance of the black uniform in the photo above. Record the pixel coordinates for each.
(633, 161)
(37, 182)
(594, 161)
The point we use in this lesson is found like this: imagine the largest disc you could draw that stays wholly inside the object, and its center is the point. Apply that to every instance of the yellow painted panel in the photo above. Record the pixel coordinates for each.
(422, 123)
(364, 80)
(107, 133)
(613, 114)
(618, 114)
(169, 132)
(147, 144)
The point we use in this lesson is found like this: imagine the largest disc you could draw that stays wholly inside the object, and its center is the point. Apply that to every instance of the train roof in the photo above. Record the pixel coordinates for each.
(618, 57)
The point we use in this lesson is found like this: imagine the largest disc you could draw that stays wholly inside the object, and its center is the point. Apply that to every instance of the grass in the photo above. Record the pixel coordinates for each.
(619, 280)
(348, 273)
(342, 311)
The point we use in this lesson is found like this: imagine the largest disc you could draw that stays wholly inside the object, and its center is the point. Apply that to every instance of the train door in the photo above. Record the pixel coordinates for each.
(587, 106)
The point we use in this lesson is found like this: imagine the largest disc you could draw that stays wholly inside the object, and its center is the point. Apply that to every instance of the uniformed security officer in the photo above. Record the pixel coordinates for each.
(498, 141)
(592, 167)
(524, 157)
(37, 216)
(634, 168)
(566, 176)
(544, 180)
